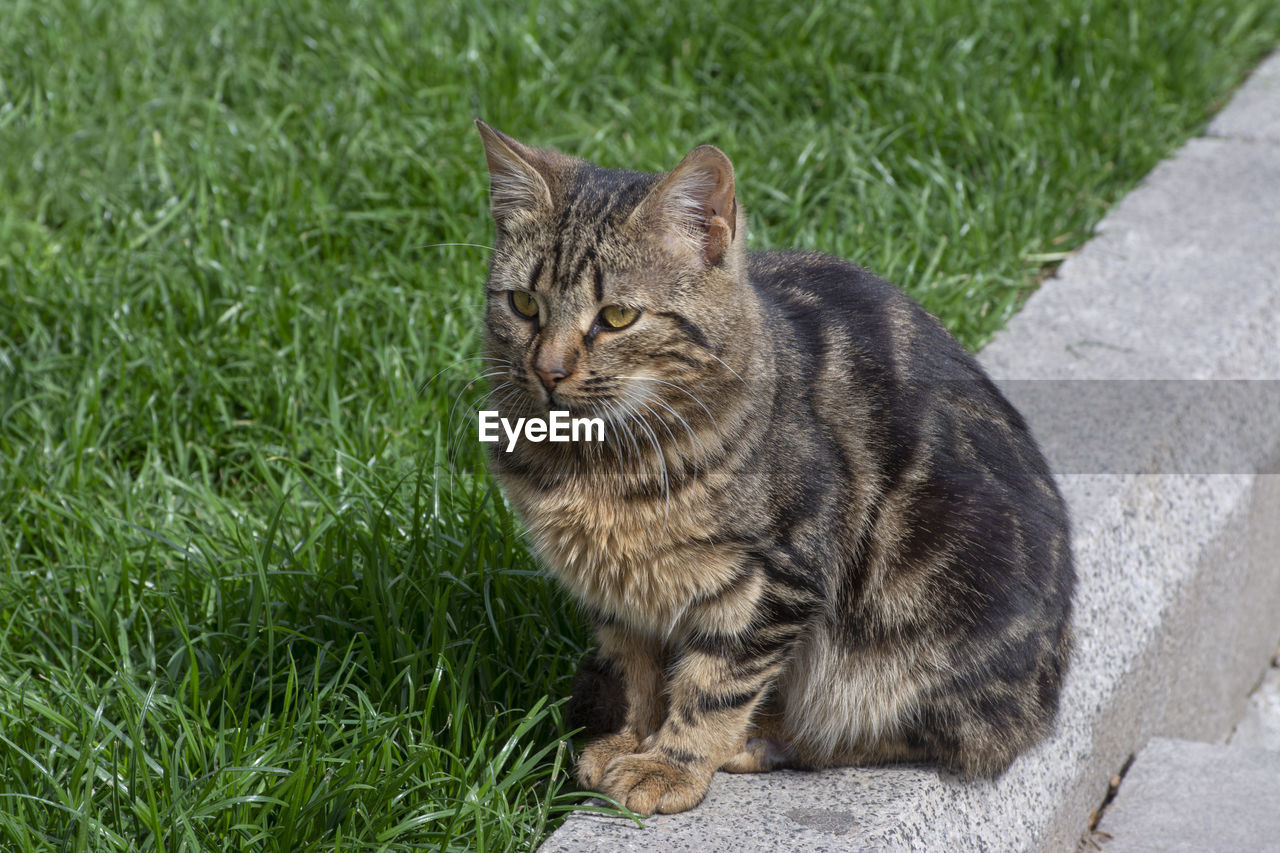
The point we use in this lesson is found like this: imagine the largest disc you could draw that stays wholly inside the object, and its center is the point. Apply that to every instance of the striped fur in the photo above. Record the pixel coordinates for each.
(816, 534)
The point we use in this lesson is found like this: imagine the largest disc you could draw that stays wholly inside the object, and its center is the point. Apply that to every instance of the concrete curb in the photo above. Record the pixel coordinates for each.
(1178, 606)
(1231, 792)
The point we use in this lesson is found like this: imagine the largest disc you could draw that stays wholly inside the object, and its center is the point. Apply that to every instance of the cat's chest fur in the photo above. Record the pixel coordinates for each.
(640, 560)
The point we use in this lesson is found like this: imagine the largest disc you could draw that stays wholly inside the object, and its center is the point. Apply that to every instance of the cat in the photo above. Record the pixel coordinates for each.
(815, 535)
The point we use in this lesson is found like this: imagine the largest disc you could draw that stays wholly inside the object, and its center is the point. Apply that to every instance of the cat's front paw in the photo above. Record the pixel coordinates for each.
(647, 782)
(598, 753)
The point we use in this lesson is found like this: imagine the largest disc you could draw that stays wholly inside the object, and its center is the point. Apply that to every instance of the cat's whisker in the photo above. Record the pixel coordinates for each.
(448, 245)
(615, 414)
(456, 434)
(454, 439)
(622, 420)
(617, 444)
(696, 445)
(662, 465)
(449, 430)
(497, 253)
(642, 402)
(458, 397)
(662, 462)
(637, 456)
(422, 389)
(675, 444)
(684, 391)
(731, 370)
(627, 401)
(693, 435)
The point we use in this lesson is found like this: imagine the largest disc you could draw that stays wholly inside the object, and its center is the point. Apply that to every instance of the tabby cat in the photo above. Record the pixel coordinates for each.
(815, 534)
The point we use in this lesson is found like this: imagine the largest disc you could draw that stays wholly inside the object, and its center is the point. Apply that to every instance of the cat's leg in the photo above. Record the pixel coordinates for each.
(978, 735)
(760, 755)
(713, 688)
(978, 729)
(766, 746)
(706, 725)
(635, 668)
(598, 701)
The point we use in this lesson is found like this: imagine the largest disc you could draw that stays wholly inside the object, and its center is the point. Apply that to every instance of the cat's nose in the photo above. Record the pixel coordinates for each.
(551, 375)
(552, 366)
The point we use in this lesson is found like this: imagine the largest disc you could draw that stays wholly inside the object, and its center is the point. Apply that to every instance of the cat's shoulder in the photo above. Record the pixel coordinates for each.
(822, 298)
(815, 274)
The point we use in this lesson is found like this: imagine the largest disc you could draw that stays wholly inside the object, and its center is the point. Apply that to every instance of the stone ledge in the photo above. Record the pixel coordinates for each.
(1178, 582)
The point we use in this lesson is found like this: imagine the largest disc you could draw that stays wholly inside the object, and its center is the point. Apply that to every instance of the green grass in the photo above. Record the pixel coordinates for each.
(255, 593)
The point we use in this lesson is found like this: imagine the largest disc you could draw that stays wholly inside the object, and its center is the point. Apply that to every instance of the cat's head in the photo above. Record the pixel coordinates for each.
(612, 293)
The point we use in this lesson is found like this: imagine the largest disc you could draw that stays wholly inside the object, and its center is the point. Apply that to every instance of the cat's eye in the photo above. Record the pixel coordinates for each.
(618, 316)
(524, 304)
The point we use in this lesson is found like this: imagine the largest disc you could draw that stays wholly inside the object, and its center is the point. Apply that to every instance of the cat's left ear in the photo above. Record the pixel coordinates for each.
(694, 205)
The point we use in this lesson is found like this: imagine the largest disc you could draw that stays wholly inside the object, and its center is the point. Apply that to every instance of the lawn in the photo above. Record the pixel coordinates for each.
(257, 591)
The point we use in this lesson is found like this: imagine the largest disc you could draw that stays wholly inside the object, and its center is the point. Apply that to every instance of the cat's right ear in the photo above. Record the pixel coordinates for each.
(518, 188)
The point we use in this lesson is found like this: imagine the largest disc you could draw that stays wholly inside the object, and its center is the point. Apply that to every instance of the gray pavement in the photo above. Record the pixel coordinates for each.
(1260, 726)
(1178, 608)
(1185, 797)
